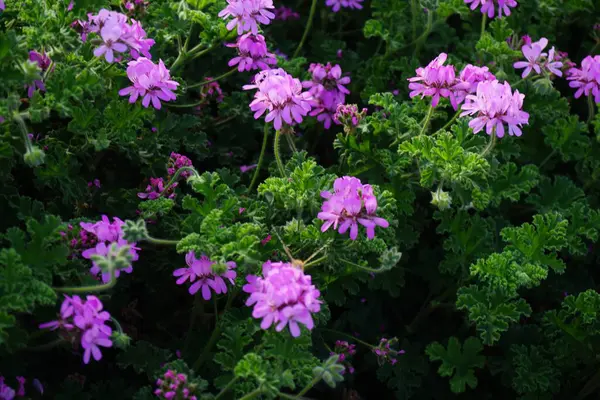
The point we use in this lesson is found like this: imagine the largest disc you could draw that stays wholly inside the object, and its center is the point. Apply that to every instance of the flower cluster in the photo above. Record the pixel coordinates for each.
(6, 392)
(135, 5)
(345, 351)
(177, 161)
(211, 90)
(252, 53)
(385, 353)
(174, 385)
(350, 204)
(107, 233)
(83, 322)
(336, 5)
(150, 81)
(43, 62)
(537, 60)
(205, 275)
(587, 78)
(281, 95)
(284, 296)
(489, 6)
(284, 13)
(438, 80)
(327, 88)
(156, 188)
(247, 14)
(493, 105)
(78, 240)
(349, 116)
(116, 34)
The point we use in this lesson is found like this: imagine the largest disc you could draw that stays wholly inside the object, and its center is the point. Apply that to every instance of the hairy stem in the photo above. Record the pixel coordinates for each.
(456, 115)
(426, 122)
(227, 387)
(199, 84)
(260, 158)
(490, 145)
(357, 340)
(311, 15)
(276, 146)
(252, 394)
(483, 22)
(94, 288)
(310, 385)
(591, 108)
(161, 241)
(176, 176)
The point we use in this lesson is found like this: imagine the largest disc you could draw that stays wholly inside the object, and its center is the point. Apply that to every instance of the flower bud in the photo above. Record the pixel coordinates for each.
(135, 231)
(121, 339)
(34, 156)
(442, 200)
(219, 268)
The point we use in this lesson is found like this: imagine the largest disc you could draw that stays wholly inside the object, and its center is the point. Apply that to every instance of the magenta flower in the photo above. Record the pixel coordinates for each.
(84, 322)
(2, 8)
(175, 385)
(117, 35)
(247, 14)
(246, 168)
(103, 249)
(177, 161)
(284, 13)
(336, 5)
(6, 392)
(494, 105)
(344, 350)
(351, 204)
(435, 81)
(155, 188)
(534, 54)
(469, 79)
(327, 88)
(587, 78)
(489, 6)
(348, 115)
(104, 230)
(283, 296)
(200, 273)
(43, 62)
(150, 81)
(281, 95)
(253, 53)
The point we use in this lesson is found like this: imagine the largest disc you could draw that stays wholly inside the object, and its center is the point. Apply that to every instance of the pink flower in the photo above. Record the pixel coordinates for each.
(327, 88)
(587, 78)
(6, 392)
(351, 204)
(2, 8)
(177, 161)
(336, 5)
(493, 105)
(284, 296)
(435, 81)
(533, 53)
(469, 79)
(103, 249)
(150, 81)
(247, 14)
(253, 53)
(489, 6)
(246, 168)
(281, 95)
(200, 273)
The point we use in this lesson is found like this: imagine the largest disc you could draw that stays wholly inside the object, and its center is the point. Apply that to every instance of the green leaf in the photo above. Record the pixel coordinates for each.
(143, 357)
(457, 363)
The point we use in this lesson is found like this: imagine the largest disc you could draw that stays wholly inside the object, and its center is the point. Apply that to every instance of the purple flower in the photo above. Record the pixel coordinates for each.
(385, 353)
(351, 204)
(104, 249)
(202, 275)
(283, 296)
(2, 8)
(177, 161)
(155, 188)
(587, 78)
(246, 168)
(284, 13)
(344, 350)
(95, 182)
(173, 384)
(83, 322)
(337, 4)
(435, 81)
(150, 81)
(105, 230)
(247, 14)
(327, 88)
(43, 62)
(281, 95)
(348, 115)
(339, 53)
(493, 105)
(71, 5)
(489, 6)
(469, 79)
(253, 53)
(538, 60)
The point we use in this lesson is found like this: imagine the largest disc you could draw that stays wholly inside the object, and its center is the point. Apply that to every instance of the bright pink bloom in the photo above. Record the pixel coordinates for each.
(336, 5)
(281, 95)
(155, 189)
(43, 62)
(536, 59)
(327, 88)
(177, 161)
(6, 392)
(253, 53)
(493, 105)
(587, 78)
(469, 79)
(435, 80)
(351, 204)
(247, 14)
(2, 5)
(284, 296)
(150, 81)
(200, 273)
(489, 6)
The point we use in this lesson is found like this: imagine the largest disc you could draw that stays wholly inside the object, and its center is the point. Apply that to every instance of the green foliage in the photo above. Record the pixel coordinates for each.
(458, 362)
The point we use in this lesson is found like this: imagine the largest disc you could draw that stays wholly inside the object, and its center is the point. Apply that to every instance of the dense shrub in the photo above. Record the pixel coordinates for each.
(316, 199)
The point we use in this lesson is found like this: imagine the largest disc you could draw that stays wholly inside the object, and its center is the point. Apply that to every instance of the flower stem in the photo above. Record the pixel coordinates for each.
(311, 16)
(227, 387)
(252, 395)
(288, 137)
(161, 241)
(483, 22)
(176, 176)
(368, 269)
(547, 158)
(591, 108)
(276, 145)
(312, 383)
(357, 340)
(314, 262)
(199, 84)
(451, 121)
(260, 158)
(426, 122)
(195, 308)
(95, 288)
(490, 145)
